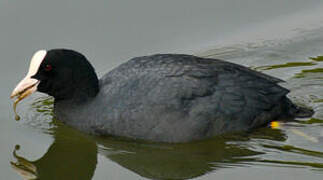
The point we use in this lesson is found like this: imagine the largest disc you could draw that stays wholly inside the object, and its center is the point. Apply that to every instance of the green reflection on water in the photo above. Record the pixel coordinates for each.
(311, 121)
(286, 65)
(73, 155)
(289, 148)
(317, 58)
(44, 105)
(178, 161)
(318, 100)
(314, 165)
(306, 71)
(295, 64)
(303, 73)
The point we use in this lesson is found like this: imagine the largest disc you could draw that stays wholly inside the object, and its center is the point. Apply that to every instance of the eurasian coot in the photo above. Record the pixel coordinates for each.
(163, 97)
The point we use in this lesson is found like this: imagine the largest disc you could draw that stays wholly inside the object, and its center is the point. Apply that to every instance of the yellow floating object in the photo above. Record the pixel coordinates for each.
(274, 124)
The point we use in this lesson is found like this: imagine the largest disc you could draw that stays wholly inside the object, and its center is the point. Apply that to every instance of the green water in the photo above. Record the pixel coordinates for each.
(283, 39)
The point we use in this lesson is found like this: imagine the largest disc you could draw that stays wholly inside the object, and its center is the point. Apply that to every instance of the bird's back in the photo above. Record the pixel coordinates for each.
(177, 98)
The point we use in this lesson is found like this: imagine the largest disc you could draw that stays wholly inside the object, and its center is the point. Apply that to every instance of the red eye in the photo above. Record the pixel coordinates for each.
(48, 67)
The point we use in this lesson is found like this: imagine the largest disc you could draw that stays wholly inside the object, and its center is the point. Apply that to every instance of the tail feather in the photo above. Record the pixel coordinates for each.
(298, 111)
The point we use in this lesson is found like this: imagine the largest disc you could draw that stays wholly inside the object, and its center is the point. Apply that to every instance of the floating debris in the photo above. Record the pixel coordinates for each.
(20, 97)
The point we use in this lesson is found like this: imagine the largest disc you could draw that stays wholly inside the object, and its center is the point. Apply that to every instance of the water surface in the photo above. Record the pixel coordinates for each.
(283, 39)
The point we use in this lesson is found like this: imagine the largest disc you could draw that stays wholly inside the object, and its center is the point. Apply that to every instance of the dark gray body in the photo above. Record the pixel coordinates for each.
(177, 98)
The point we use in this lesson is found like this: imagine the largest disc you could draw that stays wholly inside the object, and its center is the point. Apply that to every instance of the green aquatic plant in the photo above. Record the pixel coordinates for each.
(295, 163)
(293, 149)
(306, 71)
(286, 65)
(317, 58)
(311, 121)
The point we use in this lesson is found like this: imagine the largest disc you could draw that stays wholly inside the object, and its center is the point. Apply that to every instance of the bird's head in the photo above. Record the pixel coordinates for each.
(61, 73)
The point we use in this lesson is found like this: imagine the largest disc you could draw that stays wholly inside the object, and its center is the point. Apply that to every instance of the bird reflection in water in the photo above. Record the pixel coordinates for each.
(73, 155)
(69, 157)
(23, 167)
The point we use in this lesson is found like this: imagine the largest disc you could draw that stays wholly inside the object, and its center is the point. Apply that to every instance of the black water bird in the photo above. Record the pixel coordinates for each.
(163, 97)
